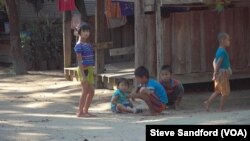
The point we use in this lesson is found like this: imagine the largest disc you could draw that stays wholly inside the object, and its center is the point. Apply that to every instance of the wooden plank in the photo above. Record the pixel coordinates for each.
(139, 34)
(181, 43)
(103, 45)
(196, 42)
(122, 51)
(71, 73)
(125, 0)
(67, 38)
(159, 46)
(167, 40)
(203, 50)
(117, 41)
(226, 25)
(206, 76)
(181, 2)
(150, 44)
(149, 5)
(211, 29)
(128, 39)
(101, 34)
(239, 39)
(186, 45)
(248, 39)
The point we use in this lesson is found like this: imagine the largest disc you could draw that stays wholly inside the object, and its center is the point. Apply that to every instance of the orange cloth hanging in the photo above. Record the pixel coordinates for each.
(114, 15)
(112, 9)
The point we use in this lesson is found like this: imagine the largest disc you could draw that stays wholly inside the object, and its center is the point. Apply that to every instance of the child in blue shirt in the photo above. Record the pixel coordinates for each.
(150, 91)
(222, 72)
(120, 102)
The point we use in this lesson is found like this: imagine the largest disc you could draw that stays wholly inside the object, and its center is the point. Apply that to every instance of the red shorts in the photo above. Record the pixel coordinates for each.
(157, 105)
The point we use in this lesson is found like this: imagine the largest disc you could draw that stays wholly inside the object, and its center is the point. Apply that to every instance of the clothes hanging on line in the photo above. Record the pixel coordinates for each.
(75, 21)
(113, 14)
(66, 5)
(127, 8)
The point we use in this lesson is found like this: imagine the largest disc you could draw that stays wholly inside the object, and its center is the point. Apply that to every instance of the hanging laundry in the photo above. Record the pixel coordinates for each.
(114, 15)
(75, 20)
(116, 22)
(66, 5)
(127, 8)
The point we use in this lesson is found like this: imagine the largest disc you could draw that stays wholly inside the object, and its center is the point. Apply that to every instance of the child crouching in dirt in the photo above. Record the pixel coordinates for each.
(173, 87)
(120, 102)
(150, 91)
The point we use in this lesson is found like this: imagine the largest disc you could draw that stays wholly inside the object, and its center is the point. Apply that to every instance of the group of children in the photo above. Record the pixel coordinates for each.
(158, 95)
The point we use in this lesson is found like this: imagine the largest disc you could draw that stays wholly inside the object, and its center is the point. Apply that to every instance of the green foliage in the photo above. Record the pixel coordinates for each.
(42, 42)
(2, 4)
(218, 5)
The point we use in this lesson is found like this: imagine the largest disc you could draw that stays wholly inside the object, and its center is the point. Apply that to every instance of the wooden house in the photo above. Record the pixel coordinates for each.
(183, 34)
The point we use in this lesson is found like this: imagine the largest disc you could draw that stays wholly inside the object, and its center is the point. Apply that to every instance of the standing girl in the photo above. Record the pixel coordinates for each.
(85, 58)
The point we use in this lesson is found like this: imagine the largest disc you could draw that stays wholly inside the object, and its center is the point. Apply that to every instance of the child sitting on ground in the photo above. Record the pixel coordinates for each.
(120, 102)
(173, 87)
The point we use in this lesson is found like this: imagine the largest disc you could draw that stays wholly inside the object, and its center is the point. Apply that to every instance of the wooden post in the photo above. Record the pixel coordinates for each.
(101, 35)
(67, 38)
(248, 39)
(159, 48)
(139, 36)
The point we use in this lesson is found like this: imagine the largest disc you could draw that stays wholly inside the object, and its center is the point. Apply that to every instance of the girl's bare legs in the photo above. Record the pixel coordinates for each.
(82, 99)
(89, 99)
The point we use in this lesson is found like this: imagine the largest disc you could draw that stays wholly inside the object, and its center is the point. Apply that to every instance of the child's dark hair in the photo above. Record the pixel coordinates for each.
(83, 27)
(141, 71)
(122, 80)
(166, 68)
(221, 36)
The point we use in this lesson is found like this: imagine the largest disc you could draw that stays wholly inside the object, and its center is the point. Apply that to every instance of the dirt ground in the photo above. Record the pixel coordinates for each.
(41, 107)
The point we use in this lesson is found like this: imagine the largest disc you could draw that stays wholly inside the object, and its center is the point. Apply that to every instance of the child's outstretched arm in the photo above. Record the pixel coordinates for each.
(130, 95)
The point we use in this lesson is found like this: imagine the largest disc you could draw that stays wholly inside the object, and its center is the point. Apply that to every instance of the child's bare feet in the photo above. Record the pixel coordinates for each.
(206, 104)
(85, 115)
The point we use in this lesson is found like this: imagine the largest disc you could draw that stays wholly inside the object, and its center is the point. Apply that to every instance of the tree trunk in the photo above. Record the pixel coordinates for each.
(80, 5)
(15, 41)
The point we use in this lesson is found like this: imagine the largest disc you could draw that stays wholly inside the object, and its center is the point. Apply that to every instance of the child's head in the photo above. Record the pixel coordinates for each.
(84, 30)
(142, 75)
(166, 73)
(224, 39)
(123, 84)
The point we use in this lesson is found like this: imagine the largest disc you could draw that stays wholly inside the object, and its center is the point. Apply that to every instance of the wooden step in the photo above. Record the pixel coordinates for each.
(71, 74)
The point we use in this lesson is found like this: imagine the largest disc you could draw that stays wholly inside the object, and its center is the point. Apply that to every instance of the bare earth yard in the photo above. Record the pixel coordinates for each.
(40, 107)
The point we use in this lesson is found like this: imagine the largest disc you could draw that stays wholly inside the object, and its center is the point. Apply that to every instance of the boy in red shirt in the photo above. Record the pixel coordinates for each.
(173, 87)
